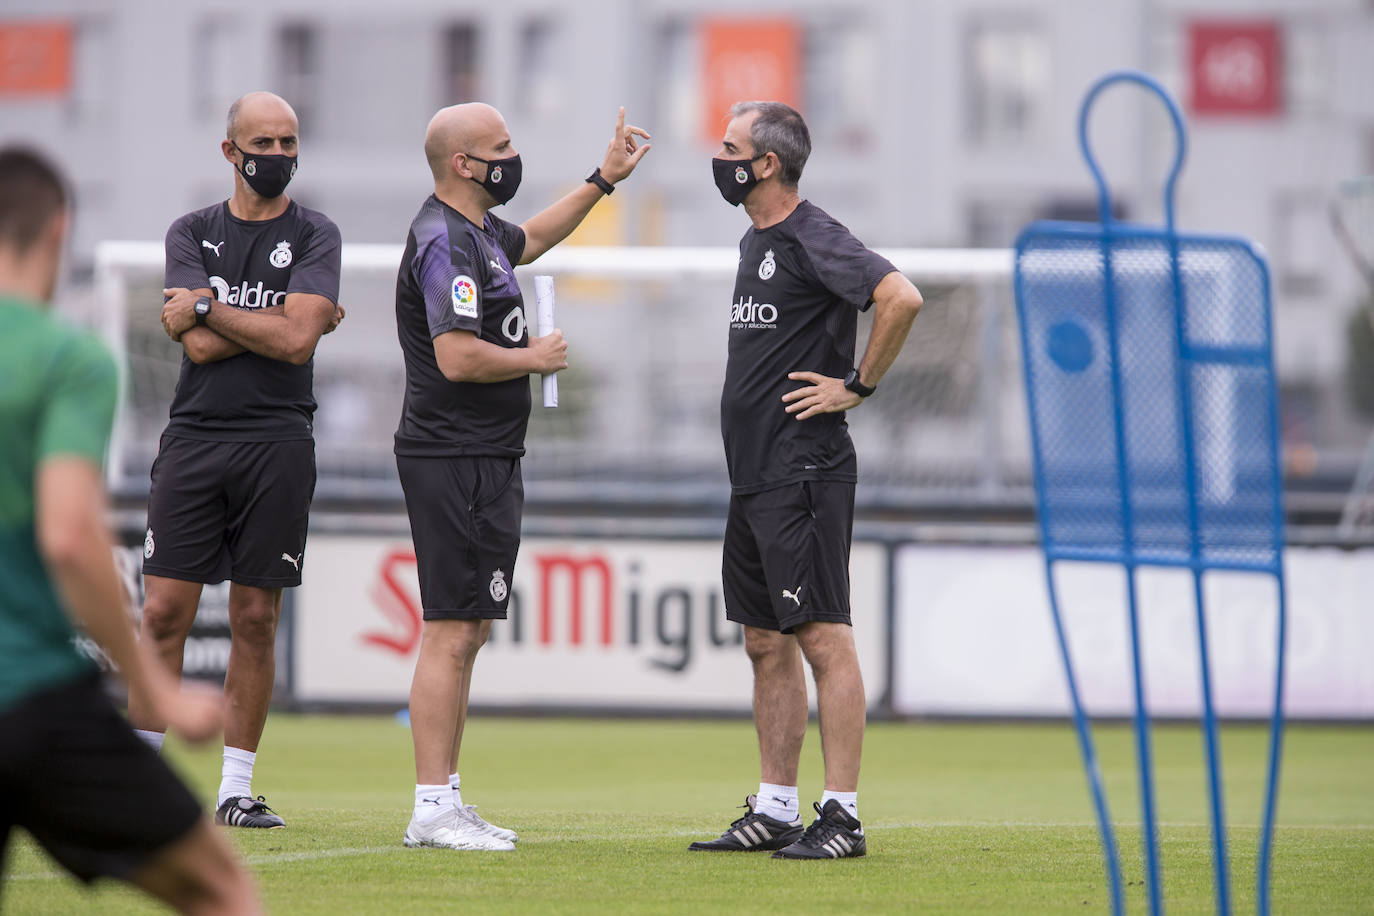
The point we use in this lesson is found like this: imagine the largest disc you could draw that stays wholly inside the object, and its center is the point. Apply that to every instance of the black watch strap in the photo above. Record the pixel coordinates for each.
(202, 309)
(851, 381)
(597, 179)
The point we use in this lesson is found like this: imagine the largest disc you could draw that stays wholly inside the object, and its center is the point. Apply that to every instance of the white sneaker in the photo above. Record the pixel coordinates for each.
(449, 831)
(469, 813)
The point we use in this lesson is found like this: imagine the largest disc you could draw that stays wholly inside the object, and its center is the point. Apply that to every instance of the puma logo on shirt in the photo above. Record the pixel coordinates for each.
(204, 243)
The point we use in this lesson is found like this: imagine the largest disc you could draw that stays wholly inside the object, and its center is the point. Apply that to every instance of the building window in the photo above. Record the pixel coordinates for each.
(92, 62)
(677, 81)
(216, 73)
(298, 57)
(1008, 82)
(459, 64)
(840, 80)
(1302, 245)
(1306, 68)
(541, 79)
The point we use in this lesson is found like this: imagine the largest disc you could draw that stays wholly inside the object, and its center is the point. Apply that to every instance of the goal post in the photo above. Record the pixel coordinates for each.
(638, 420)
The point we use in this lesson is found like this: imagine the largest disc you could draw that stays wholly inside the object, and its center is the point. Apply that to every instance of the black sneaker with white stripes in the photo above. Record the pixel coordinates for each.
(754, 832)
(242, 811)
(834, 834)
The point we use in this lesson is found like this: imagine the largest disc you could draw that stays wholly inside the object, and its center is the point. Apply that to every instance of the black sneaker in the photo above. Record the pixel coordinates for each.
(242, 811)
(834, 834)
(753, 833)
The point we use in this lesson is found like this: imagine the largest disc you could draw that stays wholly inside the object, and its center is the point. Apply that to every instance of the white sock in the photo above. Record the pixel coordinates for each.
(236, 778)
(850, 801)
(432, 802)
(453, 783)
(778, 802)
(152, 739)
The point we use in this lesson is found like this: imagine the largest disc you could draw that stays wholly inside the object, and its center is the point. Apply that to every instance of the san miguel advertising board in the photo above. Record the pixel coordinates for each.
(593, 623)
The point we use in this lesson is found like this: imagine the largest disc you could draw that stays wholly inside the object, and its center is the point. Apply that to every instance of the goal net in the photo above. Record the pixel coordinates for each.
(638, 414)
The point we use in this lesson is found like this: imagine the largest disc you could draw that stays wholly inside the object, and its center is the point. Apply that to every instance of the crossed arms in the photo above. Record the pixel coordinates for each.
(287, 332)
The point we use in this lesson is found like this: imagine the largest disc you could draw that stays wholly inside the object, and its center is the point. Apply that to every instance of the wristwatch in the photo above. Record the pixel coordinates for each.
(202, 310)
(596, 178)
(851, 381)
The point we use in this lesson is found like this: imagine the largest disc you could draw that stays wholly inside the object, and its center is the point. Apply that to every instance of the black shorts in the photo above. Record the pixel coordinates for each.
(465, 522)
(74, 775)
(786, 557)
(230, 510)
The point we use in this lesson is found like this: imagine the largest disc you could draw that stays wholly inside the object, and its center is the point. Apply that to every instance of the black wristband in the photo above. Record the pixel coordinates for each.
(851, 381)
(597, 179)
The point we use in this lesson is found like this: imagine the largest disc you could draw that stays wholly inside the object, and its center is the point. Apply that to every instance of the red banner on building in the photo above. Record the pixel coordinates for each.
(1235, 68)
(744, 60)
(35, 58)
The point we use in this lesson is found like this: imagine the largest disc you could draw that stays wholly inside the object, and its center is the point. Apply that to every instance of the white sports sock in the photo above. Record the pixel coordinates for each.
(236, 778)
(778, 802)
(152, 739)
(850, 801)
(453, 783)
(432, 802)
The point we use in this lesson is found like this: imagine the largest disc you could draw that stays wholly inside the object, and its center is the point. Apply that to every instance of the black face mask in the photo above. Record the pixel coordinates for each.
(735, 178)
(503, 176)
(268, 176)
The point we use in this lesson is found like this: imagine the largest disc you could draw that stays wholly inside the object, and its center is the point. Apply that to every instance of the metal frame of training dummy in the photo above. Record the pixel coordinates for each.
(1201, 528)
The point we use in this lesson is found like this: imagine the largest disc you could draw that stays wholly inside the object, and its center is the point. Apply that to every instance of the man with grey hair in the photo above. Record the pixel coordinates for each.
(789, 378)
(252, 283)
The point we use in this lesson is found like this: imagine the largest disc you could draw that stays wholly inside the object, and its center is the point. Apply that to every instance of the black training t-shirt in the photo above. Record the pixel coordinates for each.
(250, 265)
(800, 286)
(456, 275)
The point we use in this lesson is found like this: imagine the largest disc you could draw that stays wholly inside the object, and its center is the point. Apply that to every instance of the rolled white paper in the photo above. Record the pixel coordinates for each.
(543, 319)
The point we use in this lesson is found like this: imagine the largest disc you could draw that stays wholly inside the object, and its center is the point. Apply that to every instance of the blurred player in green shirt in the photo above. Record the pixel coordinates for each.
(69, 763)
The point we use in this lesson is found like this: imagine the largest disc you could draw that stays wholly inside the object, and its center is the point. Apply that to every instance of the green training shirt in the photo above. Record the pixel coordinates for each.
(57, 397)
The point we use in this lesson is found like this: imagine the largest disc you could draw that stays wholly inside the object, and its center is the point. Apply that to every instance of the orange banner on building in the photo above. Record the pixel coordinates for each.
(747, 59)
(35, 57)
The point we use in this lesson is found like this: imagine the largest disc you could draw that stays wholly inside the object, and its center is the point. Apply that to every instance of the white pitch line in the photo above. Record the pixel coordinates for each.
(535, 839)
(305, 856)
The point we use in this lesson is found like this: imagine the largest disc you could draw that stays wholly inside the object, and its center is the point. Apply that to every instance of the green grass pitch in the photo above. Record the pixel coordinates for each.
(960, 817)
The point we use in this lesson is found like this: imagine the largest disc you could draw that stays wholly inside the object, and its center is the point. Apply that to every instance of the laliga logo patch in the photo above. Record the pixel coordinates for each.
(148, 545)
(464, 297)
(498, 587)
(281, 255)
(767, 267)
(293, 170)
(250, 168)
(496, 175)
(741, 176)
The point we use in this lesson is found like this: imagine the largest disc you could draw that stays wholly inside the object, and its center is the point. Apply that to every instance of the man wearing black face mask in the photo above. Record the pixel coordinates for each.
(461, 323)
(252, 283)
(789, 378)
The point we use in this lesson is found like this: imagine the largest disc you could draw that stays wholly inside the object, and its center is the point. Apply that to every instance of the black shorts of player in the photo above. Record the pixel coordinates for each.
(74, 775)
(465, 522)
(786, 557)
(230, 510)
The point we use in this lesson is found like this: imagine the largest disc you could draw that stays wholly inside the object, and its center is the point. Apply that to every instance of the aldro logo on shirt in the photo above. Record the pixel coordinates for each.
(746, 313)
(244, 296)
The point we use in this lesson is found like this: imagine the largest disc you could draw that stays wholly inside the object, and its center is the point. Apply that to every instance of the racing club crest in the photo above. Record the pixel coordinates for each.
(281, 255)
(767, 266)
